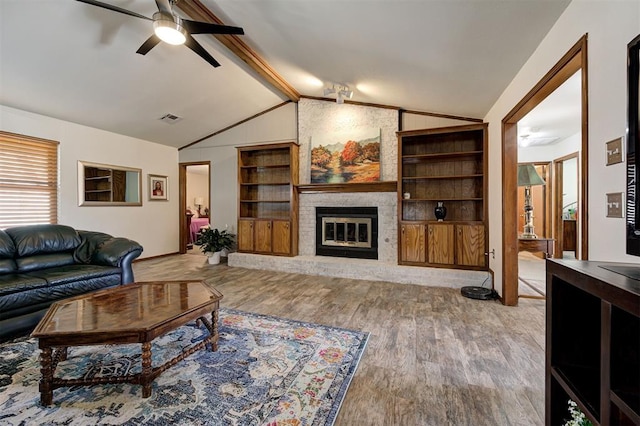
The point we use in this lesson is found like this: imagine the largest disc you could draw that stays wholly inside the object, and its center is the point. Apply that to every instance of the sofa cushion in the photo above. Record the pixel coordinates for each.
(7, 253)
(8, 266)
(71, 273)
(12, 283)
(42, 239)
(7, 248)
(44, 261)
(16, 302)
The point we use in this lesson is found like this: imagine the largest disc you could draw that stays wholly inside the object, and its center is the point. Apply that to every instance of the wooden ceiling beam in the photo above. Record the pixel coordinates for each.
(199, 12)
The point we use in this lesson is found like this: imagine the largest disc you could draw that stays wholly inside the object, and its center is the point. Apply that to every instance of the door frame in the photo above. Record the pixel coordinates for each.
(182, 202)
(575, 59)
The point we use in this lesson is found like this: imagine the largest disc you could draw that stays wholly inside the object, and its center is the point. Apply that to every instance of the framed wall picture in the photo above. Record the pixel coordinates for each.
(351, 156)
(158, 188)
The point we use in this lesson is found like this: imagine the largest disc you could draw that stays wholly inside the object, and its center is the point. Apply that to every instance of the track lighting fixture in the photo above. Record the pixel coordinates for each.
(342, 91)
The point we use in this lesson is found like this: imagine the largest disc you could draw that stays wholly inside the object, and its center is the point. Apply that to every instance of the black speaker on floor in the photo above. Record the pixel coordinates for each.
(479, 293)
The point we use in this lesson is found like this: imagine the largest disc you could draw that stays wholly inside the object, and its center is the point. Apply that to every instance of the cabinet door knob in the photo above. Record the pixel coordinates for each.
(403, 229)
(269, 225)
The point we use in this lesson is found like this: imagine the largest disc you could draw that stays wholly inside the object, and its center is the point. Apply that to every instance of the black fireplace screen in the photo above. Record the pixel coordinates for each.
(347, 232)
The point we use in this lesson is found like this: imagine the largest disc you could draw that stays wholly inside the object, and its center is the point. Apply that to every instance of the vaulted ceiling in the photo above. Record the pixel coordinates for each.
(77, 62)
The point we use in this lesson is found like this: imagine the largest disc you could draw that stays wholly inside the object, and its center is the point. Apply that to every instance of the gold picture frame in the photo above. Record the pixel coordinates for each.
(158, 188)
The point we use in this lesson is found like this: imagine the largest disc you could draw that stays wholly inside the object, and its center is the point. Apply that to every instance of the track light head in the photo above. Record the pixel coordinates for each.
(342, 91)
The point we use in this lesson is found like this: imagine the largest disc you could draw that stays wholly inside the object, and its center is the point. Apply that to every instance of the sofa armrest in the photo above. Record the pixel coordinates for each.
(103, 249)
(118, 252)
(113, 251)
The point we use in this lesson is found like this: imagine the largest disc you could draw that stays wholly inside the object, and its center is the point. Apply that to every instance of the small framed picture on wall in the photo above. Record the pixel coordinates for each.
(158, 188)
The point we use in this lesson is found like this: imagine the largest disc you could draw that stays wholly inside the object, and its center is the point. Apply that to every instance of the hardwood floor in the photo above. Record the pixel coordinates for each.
(433, 357)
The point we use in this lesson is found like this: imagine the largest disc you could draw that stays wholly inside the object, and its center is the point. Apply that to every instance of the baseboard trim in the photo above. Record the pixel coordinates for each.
(156, 257)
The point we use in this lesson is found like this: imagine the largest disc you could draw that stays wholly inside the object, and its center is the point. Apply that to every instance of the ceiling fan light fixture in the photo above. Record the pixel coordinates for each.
(168, 29)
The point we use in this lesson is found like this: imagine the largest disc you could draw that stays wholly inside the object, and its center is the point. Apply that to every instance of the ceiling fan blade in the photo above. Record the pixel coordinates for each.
(196, 27)
(114, 8)
(148, 45)
(192, 44)
(164, 6)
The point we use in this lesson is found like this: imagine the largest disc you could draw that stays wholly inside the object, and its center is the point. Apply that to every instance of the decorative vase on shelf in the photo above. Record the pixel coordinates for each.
(440, 211)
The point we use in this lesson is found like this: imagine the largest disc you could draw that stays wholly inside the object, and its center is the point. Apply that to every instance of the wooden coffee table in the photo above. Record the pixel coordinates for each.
(132, 313)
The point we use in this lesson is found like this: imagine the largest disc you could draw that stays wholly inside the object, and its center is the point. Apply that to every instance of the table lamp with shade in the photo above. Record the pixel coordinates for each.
(528, 176)
(199, 201)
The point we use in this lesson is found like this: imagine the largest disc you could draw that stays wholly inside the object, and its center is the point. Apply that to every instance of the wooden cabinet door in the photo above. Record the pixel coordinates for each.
(412, 242)
(441, 243)
(245, 235)
(470, 245)
(281, 237)
(262, 236)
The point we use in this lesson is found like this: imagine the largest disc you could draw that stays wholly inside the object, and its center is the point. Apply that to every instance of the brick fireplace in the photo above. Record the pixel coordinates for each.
(385, 202)
(385, 268)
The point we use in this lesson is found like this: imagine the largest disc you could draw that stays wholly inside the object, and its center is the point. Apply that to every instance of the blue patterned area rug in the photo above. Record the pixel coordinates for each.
(267, 371)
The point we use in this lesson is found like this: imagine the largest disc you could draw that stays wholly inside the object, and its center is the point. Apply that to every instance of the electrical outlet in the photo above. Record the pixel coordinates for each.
(615, 205)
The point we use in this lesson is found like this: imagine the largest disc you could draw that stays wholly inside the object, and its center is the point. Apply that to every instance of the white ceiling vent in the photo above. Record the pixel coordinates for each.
(170, 118)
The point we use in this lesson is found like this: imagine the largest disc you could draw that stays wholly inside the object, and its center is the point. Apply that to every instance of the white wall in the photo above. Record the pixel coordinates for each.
(610, 26)
(570, 184)
(278, 125)
(154, 224)
(197, 186)
(420, 121)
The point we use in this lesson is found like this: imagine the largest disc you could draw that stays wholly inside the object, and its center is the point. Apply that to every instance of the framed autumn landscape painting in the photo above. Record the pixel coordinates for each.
(352, 156)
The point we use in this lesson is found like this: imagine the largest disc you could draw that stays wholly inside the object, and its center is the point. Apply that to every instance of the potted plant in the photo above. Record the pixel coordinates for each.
(212, 242)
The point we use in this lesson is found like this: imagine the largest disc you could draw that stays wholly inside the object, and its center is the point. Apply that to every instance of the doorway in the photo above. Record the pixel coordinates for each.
(195, 202)
(567, 190)
(574, 60)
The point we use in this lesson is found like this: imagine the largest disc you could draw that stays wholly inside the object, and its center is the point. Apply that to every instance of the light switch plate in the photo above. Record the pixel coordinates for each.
(614, 151)
(615, 205)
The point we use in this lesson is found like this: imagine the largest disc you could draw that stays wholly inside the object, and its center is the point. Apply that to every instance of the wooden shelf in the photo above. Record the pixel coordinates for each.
(316, 188)
(268, 205)
(272, 166)
(443, 165)
(474, 176)
(441, 156)
(592, 344)
(409, 200)
(265, 184)
(265, 201)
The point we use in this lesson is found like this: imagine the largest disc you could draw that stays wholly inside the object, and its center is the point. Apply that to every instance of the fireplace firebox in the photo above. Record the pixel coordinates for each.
(347, 232)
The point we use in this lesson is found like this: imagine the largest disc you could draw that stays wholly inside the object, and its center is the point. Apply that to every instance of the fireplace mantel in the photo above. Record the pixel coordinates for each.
(313, 188)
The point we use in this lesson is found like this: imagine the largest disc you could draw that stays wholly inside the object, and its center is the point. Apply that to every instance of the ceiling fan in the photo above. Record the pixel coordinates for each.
(172, 29)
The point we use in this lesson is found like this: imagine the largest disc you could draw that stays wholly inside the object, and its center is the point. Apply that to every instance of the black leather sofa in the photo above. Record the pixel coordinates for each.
(41, 264)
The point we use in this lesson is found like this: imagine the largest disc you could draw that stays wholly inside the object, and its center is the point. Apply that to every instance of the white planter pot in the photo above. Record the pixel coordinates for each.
(214, 258)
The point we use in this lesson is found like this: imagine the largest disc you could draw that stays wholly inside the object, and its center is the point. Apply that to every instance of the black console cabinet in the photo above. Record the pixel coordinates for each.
(592, 343)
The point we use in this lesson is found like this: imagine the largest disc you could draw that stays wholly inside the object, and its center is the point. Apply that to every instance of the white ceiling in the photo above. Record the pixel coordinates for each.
(77, 62)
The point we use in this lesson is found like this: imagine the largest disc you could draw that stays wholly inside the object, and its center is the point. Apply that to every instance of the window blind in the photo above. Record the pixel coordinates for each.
(28, 180)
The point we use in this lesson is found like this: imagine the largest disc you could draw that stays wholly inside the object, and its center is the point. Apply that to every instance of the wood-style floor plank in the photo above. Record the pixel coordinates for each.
(433, 357)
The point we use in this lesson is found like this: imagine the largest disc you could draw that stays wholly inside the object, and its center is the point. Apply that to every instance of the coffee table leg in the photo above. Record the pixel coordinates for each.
(214, 330)
(46, 392)
(145, 378)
